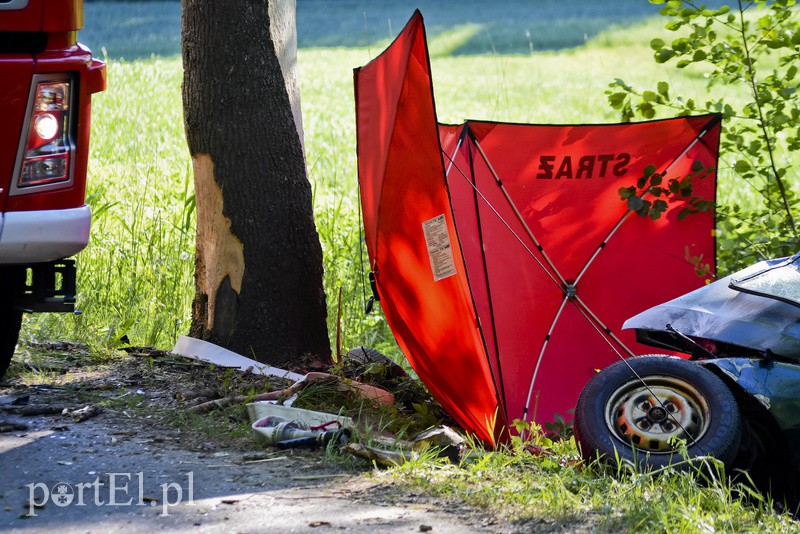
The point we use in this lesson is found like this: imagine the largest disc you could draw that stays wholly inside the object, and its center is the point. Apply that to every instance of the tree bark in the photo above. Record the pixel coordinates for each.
(258, 266)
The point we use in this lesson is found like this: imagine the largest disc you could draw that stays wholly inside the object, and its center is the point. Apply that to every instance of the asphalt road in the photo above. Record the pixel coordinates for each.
(112, 473)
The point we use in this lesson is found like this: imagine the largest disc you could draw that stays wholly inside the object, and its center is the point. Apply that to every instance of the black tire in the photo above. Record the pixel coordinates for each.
(10, 322)
(10, 317)
(620, 418)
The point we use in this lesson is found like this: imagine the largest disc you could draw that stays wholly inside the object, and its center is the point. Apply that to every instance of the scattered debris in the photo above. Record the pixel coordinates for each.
(22, 400)
(264, 460)
(363, 378)
(383, 457)
(33, 504)
(259, 410)
(31, 411)
(190, 395)
(443, 439)
(286, 434)
(82, 414)
(205, 351)
(8, 426)
(363, 362)
(323, 477)
(276, 422)
(191, 347)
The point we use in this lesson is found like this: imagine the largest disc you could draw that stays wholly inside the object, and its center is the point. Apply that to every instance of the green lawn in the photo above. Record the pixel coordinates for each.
(136, 276)
(136, 30)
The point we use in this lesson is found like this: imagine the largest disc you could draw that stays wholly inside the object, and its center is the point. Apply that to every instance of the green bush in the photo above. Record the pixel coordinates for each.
(752, 50)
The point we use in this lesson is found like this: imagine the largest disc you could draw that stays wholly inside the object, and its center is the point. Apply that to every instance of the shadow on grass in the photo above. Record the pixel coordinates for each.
(134, 30)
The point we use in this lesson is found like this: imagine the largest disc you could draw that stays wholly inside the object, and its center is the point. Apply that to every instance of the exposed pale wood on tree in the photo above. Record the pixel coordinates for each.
(220, 253)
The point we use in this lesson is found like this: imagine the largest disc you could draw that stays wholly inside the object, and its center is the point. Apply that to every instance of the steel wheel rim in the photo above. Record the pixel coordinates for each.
(651, 416)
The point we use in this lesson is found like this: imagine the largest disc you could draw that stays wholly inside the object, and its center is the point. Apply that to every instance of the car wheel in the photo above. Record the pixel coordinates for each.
(640, 410)
(10, 316)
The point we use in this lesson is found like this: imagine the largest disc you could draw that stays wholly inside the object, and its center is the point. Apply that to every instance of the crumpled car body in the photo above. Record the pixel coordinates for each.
(745, 328)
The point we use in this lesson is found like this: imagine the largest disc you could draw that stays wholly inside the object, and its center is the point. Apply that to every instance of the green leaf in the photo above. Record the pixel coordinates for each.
(659, 207)
(657, 44)
(664, 54)
(697, 166)
(616, 100)
(663, 89)
(635, 203)
(649, 171)
(680, 45)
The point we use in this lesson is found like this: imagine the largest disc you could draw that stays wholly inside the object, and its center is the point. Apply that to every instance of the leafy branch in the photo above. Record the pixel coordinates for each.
(754, 49)
(651, 184)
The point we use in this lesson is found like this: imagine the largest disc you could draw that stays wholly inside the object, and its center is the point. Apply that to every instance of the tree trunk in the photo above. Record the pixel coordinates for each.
(258, 269)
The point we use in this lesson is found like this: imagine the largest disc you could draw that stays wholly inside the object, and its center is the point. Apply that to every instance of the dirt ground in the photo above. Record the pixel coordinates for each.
(132, 469)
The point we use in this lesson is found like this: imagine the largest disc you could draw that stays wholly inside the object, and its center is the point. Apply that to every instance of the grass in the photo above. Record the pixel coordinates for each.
(135, 30)
(542, 486)
(136, 276)
(548, 487)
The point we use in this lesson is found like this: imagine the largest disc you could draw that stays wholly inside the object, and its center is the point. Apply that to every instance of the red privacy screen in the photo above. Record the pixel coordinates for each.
(504, 257)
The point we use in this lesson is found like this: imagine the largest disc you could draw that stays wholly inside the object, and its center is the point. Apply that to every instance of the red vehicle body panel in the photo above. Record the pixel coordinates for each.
(43, 16)
(59, 20)
(14, 89)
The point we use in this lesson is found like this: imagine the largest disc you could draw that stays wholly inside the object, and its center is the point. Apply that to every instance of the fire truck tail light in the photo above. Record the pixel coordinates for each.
(46, 126)
(49, 147)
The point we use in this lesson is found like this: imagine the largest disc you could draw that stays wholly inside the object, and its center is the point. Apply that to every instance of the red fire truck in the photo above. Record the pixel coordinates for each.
(46, 83)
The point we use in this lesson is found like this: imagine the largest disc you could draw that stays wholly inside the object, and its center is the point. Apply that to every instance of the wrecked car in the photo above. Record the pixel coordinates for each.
(735, 398)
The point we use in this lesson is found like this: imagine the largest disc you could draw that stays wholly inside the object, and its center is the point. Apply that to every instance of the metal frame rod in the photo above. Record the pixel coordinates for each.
(517, 213)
